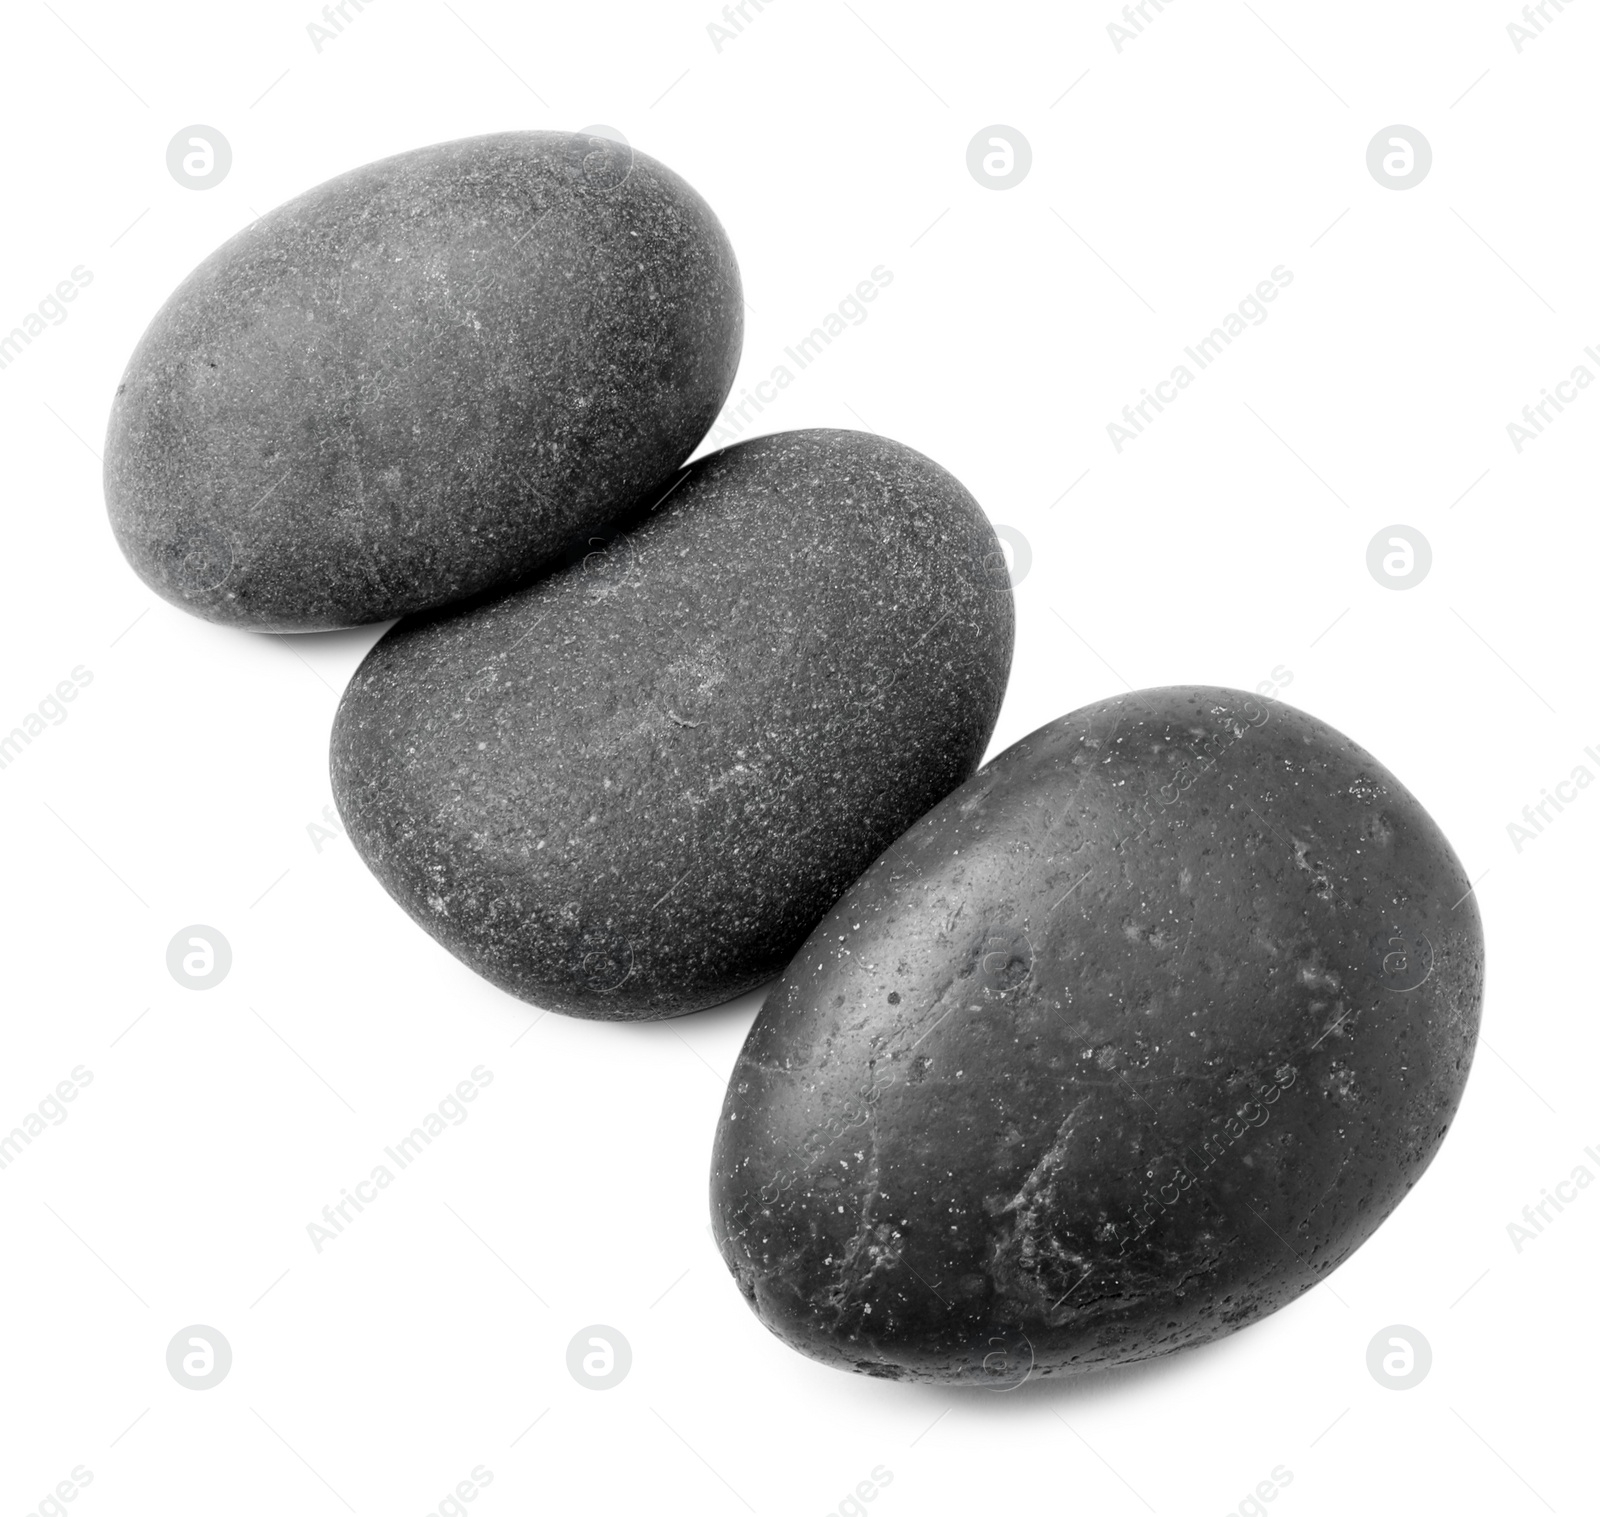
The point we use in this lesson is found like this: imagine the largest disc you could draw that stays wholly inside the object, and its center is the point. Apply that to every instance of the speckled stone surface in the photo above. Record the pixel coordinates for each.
(420, 380)
(1127, 1043)
(631, 789)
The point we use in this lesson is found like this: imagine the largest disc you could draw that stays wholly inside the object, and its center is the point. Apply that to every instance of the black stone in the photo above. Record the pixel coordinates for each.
(631, 789)
(1130, 1041)
(421, 380)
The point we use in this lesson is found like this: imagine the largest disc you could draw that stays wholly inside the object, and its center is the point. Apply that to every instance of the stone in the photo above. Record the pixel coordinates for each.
(1130, 1041)
(422, 380)
(630, 789)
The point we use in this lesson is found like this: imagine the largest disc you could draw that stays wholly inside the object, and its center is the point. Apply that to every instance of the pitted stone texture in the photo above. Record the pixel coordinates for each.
(632, 788)
(421, 380)
(1130, 1041)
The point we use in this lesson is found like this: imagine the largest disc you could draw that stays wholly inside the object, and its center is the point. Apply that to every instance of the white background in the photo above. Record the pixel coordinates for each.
(1228, 540)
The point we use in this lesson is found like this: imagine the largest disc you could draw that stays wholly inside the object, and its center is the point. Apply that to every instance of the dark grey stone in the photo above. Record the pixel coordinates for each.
(421, 380)
(1130, 1041)
(631, 789)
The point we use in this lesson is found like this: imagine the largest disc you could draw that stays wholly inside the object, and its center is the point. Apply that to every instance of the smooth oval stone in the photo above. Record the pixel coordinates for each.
(632, 788)
(420, 380)
(1128, 1042)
